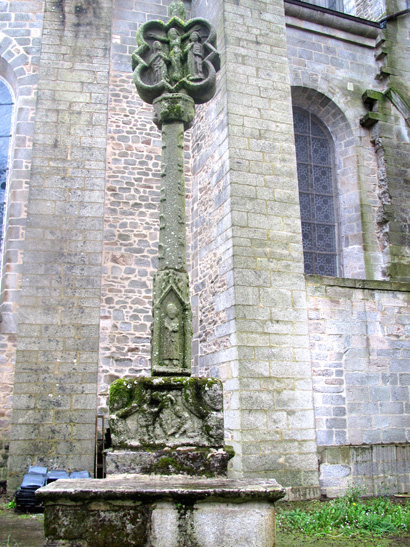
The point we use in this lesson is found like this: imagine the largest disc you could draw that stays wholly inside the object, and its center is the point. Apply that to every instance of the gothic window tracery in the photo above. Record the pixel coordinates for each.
(6, 112)
(314, 155)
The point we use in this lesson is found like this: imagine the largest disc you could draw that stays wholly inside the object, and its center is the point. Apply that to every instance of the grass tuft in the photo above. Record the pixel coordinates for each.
(348, 516)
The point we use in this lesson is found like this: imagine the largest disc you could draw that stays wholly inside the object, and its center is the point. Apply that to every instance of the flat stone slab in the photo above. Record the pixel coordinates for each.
(154, 487)
(158, 511)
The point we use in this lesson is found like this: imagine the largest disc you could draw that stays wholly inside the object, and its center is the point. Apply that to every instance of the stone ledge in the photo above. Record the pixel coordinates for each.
(333, 19)
(379, 285)
(153, 487)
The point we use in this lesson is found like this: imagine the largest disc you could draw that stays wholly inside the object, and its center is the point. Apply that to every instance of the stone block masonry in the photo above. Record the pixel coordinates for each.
(376, 469)
(54, 401)
(261, 344)
(20, 39)
(360, 341)
(273, 367)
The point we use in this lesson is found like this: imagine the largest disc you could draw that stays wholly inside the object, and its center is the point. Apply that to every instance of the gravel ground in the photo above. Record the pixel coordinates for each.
(20, 530)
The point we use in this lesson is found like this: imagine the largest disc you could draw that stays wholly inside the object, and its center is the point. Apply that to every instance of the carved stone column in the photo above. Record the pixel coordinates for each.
(172, 329)
(175, 67)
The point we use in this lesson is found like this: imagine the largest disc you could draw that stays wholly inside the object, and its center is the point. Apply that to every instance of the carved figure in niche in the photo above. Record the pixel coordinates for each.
(175, 422)
(159, 62)
(174, 42)
(195, 53)
(146, 422)
(176, 53)
(170, 343)
(184, 423)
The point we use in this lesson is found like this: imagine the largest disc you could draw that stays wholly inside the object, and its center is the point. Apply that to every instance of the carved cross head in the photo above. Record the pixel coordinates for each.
(176, 57)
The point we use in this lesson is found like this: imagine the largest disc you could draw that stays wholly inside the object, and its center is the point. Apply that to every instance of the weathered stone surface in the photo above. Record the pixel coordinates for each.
(210, 462)
(115, 525)
(161, 511)
(172, 328)
(142, 487)
(159, 412)
(214, 524)
(172, 108)
(173, 57)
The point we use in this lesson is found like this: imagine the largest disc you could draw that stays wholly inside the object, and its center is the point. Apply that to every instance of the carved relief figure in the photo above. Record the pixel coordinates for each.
(174, 42)
(170, 345)
(159, 62)
(175, 55)
(174, 420)
(195, 54)
(183, 424)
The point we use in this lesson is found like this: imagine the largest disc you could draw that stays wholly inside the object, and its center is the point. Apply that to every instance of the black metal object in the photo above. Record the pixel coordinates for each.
(36, 478)
(25, 495)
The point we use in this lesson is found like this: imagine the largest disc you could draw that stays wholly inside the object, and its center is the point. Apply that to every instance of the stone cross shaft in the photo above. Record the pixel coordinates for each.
(172, 113)
(172, 236)
(175, 67)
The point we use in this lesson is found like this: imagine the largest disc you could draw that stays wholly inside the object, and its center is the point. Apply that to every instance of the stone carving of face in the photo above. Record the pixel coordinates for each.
(194, 37)
(172, 33)
(172, 311)
(213, 397)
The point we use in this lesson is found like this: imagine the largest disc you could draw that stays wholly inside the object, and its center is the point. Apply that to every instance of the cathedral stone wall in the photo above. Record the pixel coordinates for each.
(20, 44)
(314, 368)
(330, 70)
(360, 344)
(54, 399)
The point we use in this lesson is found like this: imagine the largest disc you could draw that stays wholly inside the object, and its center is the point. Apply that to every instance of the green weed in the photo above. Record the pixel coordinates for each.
(348, 516)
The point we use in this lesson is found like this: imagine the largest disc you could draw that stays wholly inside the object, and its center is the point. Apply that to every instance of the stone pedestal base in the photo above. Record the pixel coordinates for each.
(207, 462)
(151, 511)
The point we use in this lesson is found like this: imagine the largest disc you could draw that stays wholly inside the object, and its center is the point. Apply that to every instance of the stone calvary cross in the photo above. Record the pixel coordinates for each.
(170, 423)
(175, 67)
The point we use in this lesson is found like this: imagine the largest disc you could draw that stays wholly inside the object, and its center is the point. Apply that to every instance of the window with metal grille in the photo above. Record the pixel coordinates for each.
(314, 155)
(6, 111)
(337, 5)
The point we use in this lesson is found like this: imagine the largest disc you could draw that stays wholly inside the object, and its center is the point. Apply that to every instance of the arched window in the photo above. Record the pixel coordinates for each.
(6, 111)
(314, 155)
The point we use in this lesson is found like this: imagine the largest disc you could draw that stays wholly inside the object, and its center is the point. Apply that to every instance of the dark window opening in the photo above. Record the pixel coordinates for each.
(314, 155)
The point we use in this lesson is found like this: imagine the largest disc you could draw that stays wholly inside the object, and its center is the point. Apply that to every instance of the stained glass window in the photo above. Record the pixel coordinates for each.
(6, 111)
(316, 194)
(337, 5)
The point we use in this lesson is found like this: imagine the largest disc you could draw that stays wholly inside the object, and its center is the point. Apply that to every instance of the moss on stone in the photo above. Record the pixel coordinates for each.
(120, 394)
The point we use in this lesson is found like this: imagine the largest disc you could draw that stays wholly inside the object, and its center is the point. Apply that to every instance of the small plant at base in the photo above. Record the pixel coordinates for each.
(349, 516)
(12, 504)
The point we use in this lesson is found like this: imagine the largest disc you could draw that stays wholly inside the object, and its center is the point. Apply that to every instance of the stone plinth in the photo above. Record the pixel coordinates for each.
(152, 511)
(154, 413)
(208, 462)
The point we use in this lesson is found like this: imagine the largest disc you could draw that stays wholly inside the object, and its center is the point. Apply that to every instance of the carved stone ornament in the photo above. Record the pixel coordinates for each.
(176, 57)
(166, 412)
(172, 331)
